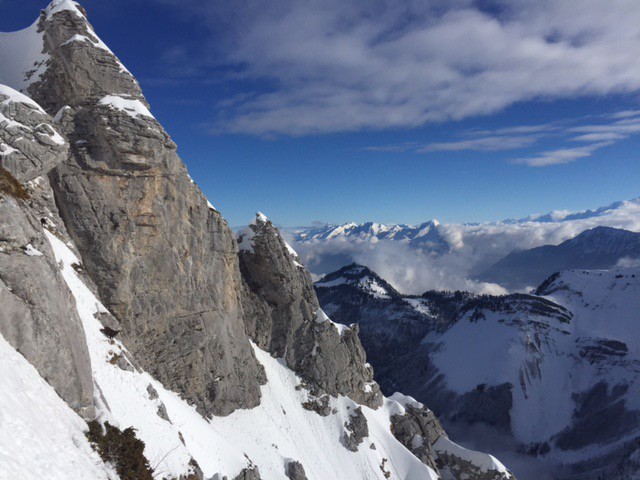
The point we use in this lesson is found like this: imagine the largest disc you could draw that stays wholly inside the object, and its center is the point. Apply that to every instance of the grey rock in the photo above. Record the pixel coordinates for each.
(417, 430)
(295, 471)
(460, 468)
(163, 261)
(357, 430)
(251, 473)
(281, 313)
(153, 393)
(162, 412)
(196, 472)
(35, 145)
(38, 315)
(320, 405)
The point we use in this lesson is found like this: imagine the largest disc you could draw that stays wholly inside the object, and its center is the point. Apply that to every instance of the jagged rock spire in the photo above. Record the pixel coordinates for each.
(283, 316)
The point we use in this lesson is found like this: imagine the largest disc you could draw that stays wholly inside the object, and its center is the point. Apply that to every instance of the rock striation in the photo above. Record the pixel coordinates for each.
(37, 315)
(164, 261)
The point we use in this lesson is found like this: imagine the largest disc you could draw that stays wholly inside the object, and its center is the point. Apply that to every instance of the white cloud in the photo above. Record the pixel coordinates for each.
(614, 128)
(484, 144)
(562, 155)
(347, 65)
(628, 262)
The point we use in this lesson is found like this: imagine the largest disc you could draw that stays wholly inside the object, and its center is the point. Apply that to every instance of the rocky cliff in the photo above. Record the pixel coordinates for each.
(165, 262)
(134, 301)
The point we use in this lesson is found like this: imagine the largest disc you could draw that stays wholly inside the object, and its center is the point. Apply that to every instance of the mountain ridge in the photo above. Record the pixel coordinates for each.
(539, 370)
(597, 248)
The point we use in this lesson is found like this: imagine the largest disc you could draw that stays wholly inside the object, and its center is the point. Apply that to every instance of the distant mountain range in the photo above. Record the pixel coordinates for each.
(548, 381)
(479, 257)
(426, 235)
(564, 216)
(597, 248)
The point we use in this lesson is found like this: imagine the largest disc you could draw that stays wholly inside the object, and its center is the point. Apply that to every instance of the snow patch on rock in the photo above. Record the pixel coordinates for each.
(130, 106)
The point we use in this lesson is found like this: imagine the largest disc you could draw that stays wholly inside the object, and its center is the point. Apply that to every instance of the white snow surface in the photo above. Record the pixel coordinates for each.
(21, 59)
(130, 106)
(293, 253)
(543, 357)
(322, 317)
(269, 436)
(17, 97)
(483, 461)
(260, 218)
(40, 436)
(61, 5)
(32, 251)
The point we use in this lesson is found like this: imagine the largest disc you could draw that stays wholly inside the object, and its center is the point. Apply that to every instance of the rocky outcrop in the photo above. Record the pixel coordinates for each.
(295, 471)
(283, 316)
(418, 429)
(164, 261)
(248, 474)
(37, 314)
(357, 430)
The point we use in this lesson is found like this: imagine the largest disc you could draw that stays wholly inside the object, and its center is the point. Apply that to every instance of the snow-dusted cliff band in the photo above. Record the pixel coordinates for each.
(127, 303)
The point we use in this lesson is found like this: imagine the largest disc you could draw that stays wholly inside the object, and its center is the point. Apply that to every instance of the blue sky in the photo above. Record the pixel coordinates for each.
(396, 112)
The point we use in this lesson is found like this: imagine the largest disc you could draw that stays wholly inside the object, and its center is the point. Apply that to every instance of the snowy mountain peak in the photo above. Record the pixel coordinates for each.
(606, 239)
(260, 218)
(597, 248)
(566, 215)
(426, 235)
(360, 277)
(57, 6)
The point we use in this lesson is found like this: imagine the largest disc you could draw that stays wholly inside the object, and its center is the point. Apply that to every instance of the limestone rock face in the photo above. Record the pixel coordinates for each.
(37, 312)
(30, 146)
(283, 316)
(418, 429)
(164, 261)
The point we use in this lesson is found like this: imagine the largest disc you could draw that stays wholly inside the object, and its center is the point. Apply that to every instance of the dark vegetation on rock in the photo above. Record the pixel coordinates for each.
(9, 185)
(122, 449)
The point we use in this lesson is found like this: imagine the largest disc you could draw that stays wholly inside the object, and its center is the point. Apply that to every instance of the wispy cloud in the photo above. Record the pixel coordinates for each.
(347, 65)
(614, 127)
(562, 155)
(483, 144)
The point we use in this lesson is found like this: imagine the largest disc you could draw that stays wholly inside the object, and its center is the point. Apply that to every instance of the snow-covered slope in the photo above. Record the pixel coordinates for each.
(40, 436)
(269, 436)
(554, 374)
(279, 431)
